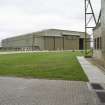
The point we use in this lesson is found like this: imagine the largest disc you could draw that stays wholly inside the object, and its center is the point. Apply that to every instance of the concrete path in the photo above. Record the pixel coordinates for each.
(19, 91)
(44, 51)
(94, 74)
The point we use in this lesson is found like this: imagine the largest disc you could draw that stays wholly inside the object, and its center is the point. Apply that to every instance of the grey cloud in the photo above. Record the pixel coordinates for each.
(22, 16)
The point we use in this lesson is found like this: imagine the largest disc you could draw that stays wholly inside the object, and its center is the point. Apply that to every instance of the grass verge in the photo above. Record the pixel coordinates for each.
(54, 65)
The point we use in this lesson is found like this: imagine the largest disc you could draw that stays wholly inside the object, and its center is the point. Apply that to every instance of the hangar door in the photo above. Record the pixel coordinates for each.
(58, 43)
(53, 43)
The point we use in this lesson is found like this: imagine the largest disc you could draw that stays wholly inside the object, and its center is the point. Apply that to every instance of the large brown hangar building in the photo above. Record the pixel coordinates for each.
(99, 37)
(51, 39)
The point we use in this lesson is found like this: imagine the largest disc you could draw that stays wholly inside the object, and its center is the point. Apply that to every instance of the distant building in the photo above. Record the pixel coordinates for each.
(99, 36)
(51, 39)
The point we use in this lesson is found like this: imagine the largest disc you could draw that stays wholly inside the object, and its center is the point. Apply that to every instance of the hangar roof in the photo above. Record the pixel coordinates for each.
(50, 32)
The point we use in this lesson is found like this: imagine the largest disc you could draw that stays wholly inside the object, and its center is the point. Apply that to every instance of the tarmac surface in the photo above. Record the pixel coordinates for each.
(20, 91)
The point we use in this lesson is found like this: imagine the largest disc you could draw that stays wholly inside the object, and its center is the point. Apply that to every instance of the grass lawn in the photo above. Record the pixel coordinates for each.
(53, 65)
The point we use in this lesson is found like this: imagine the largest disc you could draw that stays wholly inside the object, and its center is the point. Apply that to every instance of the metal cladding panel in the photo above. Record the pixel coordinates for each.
(18, 42)
(103, 26)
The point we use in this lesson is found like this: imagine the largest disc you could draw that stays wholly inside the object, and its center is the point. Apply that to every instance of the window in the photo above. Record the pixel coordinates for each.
(95, 43)
(98, 44)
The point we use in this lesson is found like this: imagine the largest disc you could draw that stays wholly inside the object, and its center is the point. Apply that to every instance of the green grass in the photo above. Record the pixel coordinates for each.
(53, 65)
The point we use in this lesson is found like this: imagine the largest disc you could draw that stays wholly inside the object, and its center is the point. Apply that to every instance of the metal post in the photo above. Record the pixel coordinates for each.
(85, 31)
(63, 43)
(54, 42)
(87, 21)
(33, 41)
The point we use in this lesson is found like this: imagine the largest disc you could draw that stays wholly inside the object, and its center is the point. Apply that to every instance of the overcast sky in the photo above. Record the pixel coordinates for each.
(24, 16)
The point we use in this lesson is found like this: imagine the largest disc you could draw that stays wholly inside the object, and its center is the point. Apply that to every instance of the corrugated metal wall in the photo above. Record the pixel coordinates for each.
(51, 39)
